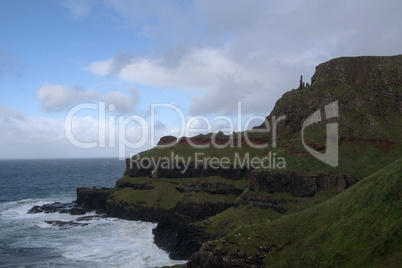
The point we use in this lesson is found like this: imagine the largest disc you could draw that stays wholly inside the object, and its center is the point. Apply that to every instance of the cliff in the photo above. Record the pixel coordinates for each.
(237, 215)
(368, 90)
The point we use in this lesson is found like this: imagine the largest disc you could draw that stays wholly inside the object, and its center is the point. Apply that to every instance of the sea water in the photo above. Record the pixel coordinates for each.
(26, 240)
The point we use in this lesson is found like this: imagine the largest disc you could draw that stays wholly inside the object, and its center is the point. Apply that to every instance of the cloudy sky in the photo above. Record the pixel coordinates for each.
(96, 67)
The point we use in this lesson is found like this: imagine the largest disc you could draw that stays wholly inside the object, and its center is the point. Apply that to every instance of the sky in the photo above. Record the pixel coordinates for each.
(87, 78)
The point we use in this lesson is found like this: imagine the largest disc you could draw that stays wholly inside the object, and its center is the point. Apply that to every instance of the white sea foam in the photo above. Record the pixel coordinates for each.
(104, 242)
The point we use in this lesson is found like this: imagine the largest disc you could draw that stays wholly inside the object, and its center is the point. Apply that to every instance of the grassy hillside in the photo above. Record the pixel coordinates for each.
(360, 227)
(165, 193)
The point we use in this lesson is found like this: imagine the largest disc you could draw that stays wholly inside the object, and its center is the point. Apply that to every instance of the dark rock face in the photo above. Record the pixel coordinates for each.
(135, 212)
(178, 236)
(303, 186)
(366, 71)
(167, 141)
(298, 184)
(93, 198)
(79, 222)
(211, 188)
(206, 258)
(136, 186)
(69, 207)
(66, 224)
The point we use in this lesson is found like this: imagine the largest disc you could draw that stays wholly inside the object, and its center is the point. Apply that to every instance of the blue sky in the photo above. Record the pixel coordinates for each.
(201, 56)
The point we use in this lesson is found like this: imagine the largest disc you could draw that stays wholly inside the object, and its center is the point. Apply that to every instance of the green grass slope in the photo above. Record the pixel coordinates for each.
(360, 227)
(163, 193)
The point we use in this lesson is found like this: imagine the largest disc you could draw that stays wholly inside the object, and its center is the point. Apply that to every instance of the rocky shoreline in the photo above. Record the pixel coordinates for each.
(176, 232)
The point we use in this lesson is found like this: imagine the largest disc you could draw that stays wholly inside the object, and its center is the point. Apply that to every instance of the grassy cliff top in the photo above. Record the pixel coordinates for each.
(360, 227)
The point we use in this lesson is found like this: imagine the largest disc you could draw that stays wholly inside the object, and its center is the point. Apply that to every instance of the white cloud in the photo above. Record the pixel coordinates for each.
(78, 8)
(58, 98)
(122, 102)
(198, 70)
(234, 51)
(38, 137)
(7, 113)
(29, 138)
(224, 79)
(55, 98)
(101, 67)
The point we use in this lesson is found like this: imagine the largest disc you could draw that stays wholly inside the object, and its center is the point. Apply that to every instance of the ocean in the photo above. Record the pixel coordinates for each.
(26, 240)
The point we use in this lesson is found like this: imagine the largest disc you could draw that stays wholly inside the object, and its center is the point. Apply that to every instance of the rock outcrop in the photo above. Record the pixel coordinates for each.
(93, 198)
(368, 90)
(208, 256)
(60, 207)
(298, 184)
(176, 235)
(167, 141)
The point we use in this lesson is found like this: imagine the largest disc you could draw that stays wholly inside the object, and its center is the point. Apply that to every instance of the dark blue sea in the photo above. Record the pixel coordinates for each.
(26, 240)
